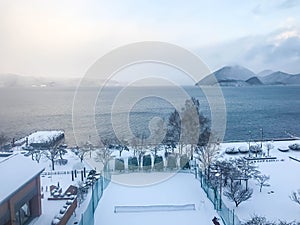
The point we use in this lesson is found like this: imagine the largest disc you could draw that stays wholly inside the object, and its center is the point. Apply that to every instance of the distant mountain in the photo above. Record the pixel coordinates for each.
(254, 81)
(282, 78)
(14, 80)
(294, 79)
(228, 74)
(264, 73)
(240, 76)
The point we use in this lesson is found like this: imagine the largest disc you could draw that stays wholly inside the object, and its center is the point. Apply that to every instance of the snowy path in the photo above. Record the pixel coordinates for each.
(178, 190)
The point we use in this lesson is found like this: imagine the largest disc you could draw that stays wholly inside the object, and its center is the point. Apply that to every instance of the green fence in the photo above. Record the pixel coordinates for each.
(87, 218)
(228, 216)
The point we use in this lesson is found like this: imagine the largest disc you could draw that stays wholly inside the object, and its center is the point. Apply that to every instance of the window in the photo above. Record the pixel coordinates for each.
(23, 214)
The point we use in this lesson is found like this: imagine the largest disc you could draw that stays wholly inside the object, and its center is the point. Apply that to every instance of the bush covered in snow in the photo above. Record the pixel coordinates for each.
(119, 164)
(184, 162)
(171, 162)
(132, 163)
(55, 221)
(147, 161)
(69, 202)
(59, 216)
(261, 220)
(158, 163)
(62, 210)
(295, 147)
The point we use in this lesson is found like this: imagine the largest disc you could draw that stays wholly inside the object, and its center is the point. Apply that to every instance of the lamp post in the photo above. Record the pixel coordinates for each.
(219, 175)
(249, 141)
(262, 136)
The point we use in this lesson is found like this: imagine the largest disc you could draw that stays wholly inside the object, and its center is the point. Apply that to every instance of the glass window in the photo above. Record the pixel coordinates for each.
(23, 214)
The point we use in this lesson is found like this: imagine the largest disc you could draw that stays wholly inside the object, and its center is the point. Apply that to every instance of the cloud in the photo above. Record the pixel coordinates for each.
(278, 50)
(272, 7)
(287, 4)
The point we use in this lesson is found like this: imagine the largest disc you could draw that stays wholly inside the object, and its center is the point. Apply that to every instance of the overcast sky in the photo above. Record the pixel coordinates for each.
(61, 38)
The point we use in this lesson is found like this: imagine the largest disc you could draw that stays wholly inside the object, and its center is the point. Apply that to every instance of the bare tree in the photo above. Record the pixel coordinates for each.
(134, 145)
(103, 154)
(269, 146)
(226, 168)
(295, 196)
(261, 181)
(52, 152)
(85, 149)
(258, 220)
(248, 170)
(287, 223)
(158, 132)
(82, 152)
(207, 155)
(37, 155)
(238, 194)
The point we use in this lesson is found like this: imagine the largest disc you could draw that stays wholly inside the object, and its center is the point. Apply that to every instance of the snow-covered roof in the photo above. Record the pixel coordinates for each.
(42, 136)
(16, 171)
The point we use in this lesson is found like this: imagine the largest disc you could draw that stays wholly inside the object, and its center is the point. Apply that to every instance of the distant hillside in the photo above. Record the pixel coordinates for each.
(240, 76)
(227, 74)
(264, 73)
(14, 80)
(254, 81)
(294, 79)
(282, 78)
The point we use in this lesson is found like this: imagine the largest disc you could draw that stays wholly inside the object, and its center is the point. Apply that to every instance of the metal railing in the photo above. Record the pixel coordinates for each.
(97, 191)
(228, 216)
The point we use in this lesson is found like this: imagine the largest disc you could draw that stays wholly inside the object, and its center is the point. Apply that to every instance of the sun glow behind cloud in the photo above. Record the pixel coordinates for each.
(63, 38)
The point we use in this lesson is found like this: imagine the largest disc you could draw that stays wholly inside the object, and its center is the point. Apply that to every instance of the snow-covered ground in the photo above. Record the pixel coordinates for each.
(273, 202)
(50, 208)
(180, 189)
(165, 188)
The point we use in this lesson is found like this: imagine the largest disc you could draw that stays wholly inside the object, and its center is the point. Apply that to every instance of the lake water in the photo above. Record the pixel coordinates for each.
(276, 109)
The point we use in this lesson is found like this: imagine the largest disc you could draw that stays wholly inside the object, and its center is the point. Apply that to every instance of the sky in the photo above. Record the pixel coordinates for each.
(63, 38)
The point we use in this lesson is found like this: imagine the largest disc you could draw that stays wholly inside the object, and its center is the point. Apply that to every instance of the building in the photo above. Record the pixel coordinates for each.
(20, 194)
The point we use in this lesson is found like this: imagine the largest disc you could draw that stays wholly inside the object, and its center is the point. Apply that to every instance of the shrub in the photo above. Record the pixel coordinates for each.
(132, 163)
(258, 220)
(184, 162)
(119, 164)
(55, 221)
(62, 210)
(158, 163)
(147, 161)
(171, 163)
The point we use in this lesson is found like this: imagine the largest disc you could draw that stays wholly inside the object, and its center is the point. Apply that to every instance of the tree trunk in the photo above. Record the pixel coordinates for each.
(192, 152)
(52, 161)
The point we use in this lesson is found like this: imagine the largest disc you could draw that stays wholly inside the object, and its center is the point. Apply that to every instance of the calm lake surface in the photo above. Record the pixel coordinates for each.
(276, 109)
